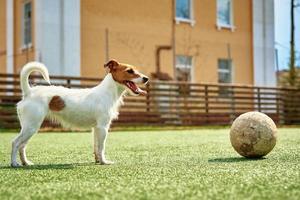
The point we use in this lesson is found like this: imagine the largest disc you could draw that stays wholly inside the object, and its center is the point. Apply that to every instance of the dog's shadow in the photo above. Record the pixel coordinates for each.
(234, 159)
(74, 165)
(50, 166)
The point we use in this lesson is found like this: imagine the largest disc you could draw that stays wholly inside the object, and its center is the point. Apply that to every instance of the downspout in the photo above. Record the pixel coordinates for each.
(159, 74)
(158, 50)
(173, 36)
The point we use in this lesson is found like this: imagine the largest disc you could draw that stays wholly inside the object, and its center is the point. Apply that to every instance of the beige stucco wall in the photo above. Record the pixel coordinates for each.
(2, 36)
(206, 43)
(136, 28)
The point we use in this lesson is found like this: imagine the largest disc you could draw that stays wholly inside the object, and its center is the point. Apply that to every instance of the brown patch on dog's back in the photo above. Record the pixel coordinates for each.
(56, 103)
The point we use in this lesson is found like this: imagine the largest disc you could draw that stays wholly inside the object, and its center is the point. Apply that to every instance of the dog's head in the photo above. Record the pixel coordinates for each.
(127, 76)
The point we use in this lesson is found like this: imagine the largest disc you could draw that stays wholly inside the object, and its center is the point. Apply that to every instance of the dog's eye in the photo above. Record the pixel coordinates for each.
(130, 71)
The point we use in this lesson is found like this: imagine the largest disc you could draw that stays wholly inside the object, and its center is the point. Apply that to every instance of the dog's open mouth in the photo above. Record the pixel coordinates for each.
(134, 88)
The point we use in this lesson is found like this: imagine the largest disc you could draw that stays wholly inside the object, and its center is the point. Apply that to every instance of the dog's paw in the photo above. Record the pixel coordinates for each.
(28, 163)
(14, 165)
(106, 162)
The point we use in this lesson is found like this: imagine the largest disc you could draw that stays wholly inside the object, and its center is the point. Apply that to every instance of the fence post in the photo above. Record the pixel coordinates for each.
(206, 103)
(258, 100)
(232, 117)
(148, 98)
(278, 106)
(68, 83)
(185, 92)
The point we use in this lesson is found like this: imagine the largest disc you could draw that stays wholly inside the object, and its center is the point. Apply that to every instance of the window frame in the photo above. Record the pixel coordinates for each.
(223, 25)
(225, 91)
(23, 29)
(222, 70)
(190, 67)
(191, 19)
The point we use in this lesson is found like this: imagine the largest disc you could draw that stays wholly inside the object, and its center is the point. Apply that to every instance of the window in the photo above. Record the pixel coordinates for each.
(184, 11)
(183, 68)
(26, 24)
(225, 72)
(225, 76)
(224, 13)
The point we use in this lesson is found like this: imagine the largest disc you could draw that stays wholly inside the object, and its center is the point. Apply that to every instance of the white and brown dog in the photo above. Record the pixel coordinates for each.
(84, 108)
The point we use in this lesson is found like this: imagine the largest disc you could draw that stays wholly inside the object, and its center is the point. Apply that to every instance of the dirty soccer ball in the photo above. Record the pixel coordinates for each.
(253, 134)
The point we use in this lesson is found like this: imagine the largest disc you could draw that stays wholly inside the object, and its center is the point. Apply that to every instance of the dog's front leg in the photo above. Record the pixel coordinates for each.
(96, 143)
(100, 139)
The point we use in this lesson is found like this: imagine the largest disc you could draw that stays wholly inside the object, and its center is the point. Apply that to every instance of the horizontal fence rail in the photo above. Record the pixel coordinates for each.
(171, 103)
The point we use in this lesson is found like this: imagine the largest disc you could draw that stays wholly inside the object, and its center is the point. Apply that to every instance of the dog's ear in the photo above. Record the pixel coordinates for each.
(111, 65)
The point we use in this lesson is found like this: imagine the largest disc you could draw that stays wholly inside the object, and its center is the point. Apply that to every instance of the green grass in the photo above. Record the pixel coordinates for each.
(181, 164)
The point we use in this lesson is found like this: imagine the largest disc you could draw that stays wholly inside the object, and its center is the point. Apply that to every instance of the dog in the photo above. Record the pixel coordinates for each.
(81, 108)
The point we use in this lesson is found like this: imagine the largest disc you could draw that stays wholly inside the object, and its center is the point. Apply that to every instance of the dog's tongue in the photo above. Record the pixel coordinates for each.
(136, 89)
(141, 92)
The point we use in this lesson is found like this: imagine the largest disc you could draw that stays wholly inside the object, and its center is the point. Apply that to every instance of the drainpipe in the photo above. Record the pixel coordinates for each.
(173, 42)
(159, 74)
(158, 50)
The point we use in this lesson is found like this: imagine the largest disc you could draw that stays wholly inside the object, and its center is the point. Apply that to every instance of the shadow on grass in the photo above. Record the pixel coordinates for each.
(234, 159)
(49, 166)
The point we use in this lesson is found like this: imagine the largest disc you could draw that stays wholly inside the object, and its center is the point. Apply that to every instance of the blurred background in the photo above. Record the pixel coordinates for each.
(226, 57)
(220, 41)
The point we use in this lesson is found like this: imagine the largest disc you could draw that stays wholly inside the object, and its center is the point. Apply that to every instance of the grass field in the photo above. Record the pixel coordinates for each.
(191, 164)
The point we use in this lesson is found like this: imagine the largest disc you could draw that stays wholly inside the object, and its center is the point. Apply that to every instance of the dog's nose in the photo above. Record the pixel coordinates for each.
(145, 79)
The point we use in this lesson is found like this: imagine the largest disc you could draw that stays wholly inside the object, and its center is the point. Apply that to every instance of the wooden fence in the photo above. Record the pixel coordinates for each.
(172, 103)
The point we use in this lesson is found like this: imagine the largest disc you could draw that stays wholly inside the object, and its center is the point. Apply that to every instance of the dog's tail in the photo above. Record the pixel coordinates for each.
(25, 72)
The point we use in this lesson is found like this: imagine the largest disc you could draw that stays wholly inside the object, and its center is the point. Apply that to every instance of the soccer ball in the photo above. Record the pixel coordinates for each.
(253, 134)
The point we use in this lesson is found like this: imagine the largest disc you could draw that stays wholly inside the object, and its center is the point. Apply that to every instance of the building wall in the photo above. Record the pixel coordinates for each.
(263, 42)
(134, 30)
(55, 36)
(22, 55)
(3, 36)
(80, 42)
(58, 35)
(49, 35)
(206, 43)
